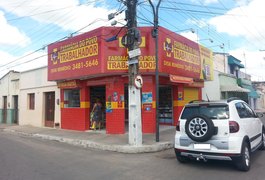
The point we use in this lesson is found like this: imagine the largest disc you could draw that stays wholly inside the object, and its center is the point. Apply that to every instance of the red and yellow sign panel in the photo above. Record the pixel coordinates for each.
(116, 55)
(75, 57)
(178, 55)
(89, 54)
(206, 64)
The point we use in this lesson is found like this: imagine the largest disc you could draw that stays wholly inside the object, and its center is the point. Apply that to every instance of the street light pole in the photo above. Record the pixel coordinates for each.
(155, 35)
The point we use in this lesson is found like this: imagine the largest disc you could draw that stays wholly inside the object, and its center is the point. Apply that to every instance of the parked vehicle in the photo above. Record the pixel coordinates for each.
(223, 130)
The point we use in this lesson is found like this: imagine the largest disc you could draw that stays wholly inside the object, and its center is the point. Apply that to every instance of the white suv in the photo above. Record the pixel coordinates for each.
(223, 130)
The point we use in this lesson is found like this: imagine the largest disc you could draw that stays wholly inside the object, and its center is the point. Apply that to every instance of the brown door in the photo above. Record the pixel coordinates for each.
(49, 109)
(4, 109)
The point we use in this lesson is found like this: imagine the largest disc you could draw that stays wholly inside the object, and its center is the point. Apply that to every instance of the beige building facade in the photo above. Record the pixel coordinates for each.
(39, 99)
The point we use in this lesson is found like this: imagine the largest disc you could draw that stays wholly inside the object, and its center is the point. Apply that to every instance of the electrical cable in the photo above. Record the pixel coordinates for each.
(44, 32)
(46, 45)
(186, 15)
(258, 39)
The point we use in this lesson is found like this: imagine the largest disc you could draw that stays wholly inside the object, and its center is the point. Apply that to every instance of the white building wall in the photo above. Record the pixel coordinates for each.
(212, 88)
(9, 87)
(260, 101)
(260, 87)
(220, 63)
(35, 81)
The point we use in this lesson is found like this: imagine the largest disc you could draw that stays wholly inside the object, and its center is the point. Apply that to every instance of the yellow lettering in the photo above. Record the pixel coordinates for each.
(117, 65)
(186, 56)
(79, 53)
(167, 63)
(147, 65)
(118, 58)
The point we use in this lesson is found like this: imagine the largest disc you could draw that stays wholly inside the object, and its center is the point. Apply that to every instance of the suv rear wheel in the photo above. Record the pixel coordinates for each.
(199, 128)
(243, 162)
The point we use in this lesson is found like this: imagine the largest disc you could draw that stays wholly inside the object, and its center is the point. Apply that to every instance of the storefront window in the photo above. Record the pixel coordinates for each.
(72, 98)
(165, 105)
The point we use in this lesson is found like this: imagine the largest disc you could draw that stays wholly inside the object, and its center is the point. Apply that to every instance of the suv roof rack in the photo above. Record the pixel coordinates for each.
(232, 99)
(193, 101)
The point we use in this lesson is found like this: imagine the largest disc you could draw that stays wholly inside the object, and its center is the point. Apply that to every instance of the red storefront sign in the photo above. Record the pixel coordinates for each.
(68, 84)
(180, 79)
(179, 55)
(75, 57)
(89, 54)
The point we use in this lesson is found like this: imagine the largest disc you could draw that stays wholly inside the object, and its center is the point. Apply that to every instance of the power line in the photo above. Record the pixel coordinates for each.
(41, 13)
(203, 12)
(49, 11)
(187, 15)
(47, 45)
(41, 33)
(75, 32)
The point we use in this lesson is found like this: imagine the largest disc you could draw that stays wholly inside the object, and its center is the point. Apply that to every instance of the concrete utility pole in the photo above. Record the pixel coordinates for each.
(131, 41)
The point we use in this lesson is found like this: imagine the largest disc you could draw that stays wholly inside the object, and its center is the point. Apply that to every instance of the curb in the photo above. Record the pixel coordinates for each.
(128, 149)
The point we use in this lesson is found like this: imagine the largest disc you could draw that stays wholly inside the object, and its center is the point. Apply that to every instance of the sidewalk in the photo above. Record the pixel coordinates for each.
(97, 139)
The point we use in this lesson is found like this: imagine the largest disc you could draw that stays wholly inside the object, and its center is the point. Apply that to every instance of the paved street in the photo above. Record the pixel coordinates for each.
(24, 158)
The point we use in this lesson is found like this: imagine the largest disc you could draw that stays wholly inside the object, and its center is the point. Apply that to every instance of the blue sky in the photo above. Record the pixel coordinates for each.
(28, 26)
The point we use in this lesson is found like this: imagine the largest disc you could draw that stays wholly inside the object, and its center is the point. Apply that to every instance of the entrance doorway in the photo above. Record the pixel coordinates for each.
(49, 109)
(100, 93)
(4, 109)
(165, 108)
(15, 102)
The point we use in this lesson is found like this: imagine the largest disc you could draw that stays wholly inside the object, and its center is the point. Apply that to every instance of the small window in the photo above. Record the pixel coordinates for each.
(251, 113)
(72, 98)
(31, 101)
(241, 110)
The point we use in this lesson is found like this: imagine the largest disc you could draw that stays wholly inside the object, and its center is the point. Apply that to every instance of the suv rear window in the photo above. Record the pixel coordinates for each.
(211, 111)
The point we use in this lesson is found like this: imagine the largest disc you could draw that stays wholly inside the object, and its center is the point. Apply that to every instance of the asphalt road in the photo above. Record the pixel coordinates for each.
(25, 158)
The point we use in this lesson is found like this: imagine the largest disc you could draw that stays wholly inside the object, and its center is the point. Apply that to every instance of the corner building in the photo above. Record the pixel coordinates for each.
(87, 67)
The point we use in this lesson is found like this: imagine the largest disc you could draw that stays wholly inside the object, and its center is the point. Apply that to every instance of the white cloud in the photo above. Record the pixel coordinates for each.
(210, 1)
(67, 14)
(201, 23)
(253, 61)
(9, 62)
(11, 35)
(5, 58)
(190, 35)
(246, 21)
(37, 59)
(242, 2)
(206, 2)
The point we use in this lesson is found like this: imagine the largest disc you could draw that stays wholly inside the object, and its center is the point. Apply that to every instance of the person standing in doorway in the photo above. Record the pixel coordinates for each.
(97, 114)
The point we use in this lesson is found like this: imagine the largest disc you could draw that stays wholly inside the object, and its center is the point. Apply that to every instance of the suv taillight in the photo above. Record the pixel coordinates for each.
(233, 127)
